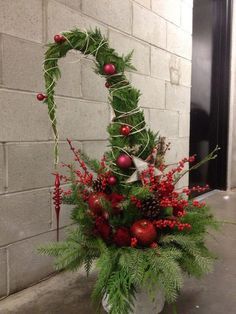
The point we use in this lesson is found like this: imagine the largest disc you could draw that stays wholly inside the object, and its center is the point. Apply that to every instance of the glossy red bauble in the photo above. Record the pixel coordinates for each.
(109, 69)
(112, 180)
(122, 237)
(41, 97)
(125, 130)
(59, 39)
(144, 231)
(95, 202)
(124, 161)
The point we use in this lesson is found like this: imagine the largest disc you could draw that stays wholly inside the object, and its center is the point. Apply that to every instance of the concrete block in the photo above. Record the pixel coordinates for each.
(164, 121)
(168, 9)
(179, 42)
(160, 63)
(149, 26)
(2, 169)
(92, 84)
(146, 112)
(74, 119)
(70, 82)
(95, 149)
(179, 149)
(73, 4)
(152, 89)
(22, 64)
(23, 118)
(184, 124)
(145, 3)
(30, 165)
(22, 20)
(187, 18)
(64, 219)
(177, 97)
(185, 72)
(174, 70)
(26, 265)
(125, 44)
(62, 18)
(170, 67)
(23, 215)
(3, 272)
(115, 13)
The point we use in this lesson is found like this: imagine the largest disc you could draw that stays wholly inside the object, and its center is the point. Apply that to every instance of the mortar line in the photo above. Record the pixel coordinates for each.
(140, 39)
(1, 59)
(45, 20)
(8, 271)
(32, 237)
(6, 167)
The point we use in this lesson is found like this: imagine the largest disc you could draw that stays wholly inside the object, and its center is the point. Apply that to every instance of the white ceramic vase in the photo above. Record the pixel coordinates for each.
(143, 303)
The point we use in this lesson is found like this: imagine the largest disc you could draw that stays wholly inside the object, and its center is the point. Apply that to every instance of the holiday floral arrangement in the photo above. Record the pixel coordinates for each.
(129, 216)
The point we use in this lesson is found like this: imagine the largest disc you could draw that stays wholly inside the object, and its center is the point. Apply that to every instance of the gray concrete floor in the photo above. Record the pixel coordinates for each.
(69, 293)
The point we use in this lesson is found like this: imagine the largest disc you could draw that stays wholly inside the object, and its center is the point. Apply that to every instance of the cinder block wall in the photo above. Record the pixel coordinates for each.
(160, 33)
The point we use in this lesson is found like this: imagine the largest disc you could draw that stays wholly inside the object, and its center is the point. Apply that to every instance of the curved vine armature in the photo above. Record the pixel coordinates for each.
(122, 96)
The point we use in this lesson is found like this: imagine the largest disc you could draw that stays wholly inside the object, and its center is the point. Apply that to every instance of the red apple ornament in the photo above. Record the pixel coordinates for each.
(122, 237)
(109, 69)
(124, 161)
(102, 228)
(144, 231)
(95, 202)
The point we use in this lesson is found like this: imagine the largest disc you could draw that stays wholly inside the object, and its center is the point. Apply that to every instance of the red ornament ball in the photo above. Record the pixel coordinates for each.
(41, 97)
(144, 231)
(125, 130)
(95, 202)
(59, 38)
(109, 69)
(122, 237)
(112, 180)
(124, 161)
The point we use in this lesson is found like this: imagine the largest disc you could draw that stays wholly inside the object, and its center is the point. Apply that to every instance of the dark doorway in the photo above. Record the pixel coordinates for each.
(210, 89)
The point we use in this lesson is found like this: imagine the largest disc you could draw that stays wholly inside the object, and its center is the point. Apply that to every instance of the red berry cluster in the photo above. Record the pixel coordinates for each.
(198, 204)
(134, 200)
(164, 223)
(134, 242)
(197, 188)
(67, 193)
(86, 177)
(154, 245)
